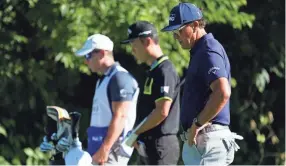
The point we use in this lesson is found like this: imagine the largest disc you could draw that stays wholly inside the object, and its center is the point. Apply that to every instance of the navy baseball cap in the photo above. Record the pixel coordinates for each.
(140, 29)
(181, 14)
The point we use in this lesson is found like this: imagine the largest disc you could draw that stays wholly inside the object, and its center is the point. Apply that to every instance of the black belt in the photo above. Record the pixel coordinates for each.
(207, 129)
(219, 123)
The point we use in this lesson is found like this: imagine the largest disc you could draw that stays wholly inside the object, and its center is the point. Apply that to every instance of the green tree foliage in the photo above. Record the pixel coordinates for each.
(258, 65)
(38, 67)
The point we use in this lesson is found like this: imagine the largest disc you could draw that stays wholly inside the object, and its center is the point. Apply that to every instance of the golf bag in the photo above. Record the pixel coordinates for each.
(62, 138)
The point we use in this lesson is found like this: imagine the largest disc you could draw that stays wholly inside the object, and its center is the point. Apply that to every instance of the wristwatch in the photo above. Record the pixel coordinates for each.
(197, 122)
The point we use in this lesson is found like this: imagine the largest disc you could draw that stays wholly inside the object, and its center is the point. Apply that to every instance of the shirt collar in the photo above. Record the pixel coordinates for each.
(200, 42)
(158, 61)
(111, 69)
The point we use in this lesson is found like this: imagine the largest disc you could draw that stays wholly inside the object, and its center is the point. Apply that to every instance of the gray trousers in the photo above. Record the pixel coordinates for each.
(114, 159)
(216, 147)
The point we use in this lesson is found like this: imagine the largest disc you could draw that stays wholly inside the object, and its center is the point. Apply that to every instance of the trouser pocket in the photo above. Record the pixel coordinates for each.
(191, 155)
(229, 145)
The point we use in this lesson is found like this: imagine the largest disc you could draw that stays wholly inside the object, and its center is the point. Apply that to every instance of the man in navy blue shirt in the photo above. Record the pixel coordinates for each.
(205, 113)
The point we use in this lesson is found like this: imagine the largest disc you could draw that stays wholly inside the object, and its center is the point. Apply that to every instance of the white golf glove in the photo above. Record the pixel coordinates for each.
(46, 146)
(63, 145)
(236, 136)
(132, 137)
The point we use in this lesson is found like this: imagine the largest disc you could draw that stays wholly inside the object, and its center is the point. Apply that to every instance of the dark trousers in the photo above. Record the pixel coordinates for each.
(57, 159)
(162, 150)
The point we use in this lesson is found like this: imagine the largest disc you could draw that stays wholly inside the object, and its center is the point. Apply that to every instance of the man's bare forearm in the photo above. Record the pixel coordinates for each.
(152, 121)
(214, 105)
(115, 129)
(157, 116)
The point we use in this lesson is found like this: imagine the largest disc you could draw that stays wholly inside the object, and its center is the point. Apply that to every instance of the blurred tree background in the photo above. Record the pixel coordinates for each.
(38, 67)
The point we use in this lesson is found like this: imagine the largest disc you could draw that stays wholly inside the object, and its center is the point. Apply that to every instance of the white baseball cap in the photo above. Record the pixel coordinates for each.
(96, 41)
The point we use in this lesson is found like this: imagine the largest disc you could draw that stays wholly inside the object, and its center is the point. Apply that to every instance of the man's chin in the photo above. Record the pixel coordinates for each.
(185, 47)
(139, 62)
(94, 71)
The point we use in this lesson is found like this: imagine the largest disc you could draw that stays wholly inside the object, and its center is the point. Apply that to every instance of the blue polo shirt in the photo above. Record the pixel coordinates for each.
(209, 62)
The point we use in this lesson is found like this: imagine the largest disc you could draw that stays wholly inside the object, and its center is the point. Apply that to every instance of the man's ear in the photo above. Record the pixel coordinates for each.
(195, 26)
(148, 41)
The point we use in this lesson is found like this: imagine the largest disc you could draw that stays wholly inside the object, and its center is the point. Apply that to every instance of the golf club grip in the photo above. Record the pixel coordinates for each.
(129, 138)
(139, 125)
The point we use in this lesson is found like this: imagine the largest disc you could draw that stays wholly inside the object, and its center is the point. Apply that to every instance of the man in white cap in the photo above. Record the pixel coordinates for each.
(114, 103)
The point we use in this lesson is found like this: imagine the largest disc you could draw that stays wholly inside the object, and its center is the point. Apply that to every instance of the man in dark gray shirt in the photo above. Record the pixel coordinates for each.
(159, 101)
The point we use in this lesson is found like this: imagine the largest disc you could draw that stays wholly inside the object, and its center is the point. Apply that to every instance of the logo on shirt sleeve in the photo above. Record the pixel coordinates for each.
(165, 89)
(213, 70)
(123, 93)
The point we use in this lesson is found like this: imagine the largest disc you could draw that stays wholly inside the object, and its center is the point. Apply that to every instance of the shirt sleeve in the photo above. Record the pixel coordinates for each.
(122, 87)
(164, 85)
(212, 67)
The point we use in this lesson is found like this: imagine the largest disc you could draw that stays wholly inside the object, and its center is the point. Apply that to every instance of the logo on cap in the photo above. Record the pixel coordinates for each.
(172, 17)
(145, 33)
(129, 31)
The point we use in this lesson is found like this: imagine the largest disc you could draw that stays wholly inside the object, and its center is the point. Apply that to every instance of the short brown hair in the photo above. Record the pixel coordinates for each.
(202, 23)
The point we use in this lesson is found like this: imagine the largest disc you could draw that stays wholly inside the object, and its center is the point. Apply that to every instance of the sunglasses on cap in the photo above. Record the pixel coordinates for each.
(177, 31)
(89, 55)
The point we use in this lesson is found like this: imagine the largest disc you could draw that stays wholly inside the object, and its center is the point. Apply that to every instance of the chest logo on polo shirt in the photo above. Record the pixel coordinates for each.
(148, 86)
(213, 70)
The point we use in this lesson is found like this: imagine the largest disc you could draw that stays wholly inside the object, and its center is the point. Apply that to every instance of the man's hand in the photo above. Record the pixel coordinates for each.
(135, 145)
(101, 156)
(193, 132)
